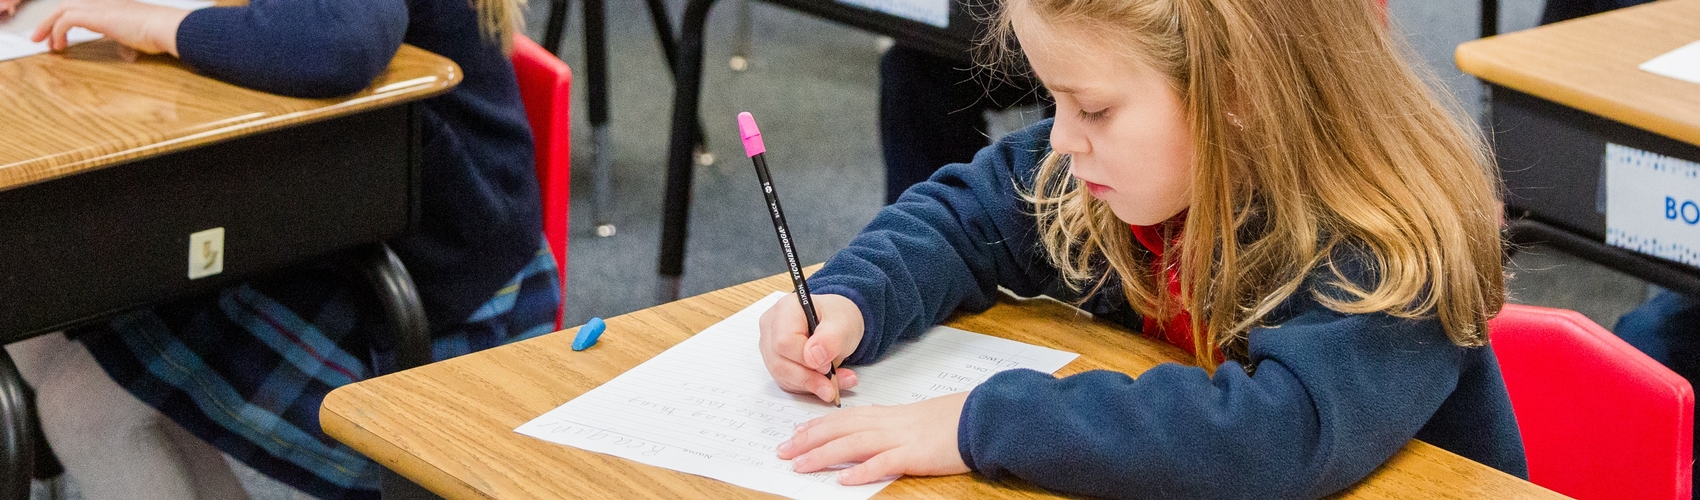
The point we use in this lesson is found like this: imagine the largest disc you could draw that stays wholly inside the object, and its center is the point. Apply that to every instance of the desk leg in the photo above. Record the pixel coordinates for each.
(552, 28)
(596, 93)
(676, 204)
(17, 422)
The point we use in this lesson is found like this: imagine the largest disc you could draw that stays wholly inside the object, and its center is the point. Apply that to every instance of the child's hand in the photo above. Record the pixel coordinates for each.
(8, 7)
(797, 361)
(917, 439)
(147, 28)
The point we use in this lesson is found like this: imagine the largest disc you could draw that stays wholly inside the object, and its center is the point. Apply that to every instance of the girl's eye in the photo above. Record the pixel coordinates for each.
(1094, 116)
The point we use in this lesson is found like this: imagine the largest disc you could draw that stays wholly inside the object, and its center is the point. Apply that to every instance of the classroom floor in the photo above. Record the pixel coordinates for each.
(813, 86)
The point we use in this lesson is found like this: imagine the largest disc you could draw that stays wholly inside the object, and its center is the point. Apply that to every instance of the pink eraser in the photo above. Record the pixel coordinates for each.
(751, 135)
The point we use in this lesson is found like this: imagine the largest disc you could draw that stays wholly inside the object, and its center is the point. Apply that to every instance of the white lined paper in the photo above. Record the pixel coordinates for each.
(708, 406)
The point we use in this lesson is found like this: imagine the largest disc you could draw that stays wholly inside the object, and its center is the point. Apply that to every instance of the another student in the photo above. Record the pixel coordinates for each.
(1266, 184)
(246, 367)
(932, 113)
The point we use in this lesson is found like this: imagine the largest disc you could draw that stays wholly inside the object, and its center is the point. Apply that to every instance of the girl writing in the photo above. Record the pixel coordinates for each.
(1266, 184)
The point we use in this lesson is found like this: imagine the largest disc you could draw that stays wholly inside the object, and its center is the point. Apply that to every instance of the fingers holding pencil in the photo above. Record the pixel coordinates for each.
(797, 361)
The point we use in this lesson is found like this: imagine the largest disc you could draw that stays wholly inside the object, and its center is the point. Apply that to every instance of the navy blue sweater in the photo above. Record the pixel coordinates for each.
(1333, 395)
(481, 218)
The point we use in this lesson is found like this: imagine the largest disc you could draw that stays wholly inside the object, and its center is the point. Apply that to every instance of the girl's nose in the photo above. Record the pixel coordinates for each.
(1066, 136)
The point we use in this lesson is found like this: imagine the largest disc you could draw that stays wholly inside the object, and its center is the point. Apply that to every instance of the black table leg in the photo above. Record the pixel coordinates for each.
(687, 85)
(17, 422)
(554, 24)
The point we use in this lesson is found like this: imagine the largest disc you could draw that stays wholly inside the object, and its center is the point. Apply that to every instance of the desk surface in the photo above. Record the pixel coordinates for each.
(91, 107)
(1591, 64)
(449, 426)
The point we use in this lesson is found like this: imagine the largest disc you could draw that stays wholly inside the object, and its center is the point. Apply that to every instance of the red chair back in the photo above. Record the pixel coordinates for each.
(545, 84)
(1599, 419)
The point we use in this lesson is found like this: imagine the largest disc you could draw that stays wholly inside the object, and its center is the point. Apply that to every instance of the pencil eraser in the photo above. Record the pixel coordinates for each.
(588, 334)
(751, 135)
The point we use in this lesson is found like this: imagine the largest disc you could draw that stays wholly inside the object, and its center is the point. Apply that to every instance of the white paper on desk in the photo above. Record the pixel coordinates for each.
(708, 406)
(1682, 63)
(15, 31)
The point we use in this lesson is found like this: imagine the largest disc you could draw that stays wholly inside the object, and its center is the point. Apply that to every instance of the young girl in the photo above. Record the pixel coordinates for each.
(245, 368)
(1267, 184)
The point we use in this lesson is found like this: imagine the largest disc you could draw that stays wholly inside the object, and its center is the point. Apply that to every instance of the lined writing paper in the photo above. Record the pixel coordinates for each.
(708, 406)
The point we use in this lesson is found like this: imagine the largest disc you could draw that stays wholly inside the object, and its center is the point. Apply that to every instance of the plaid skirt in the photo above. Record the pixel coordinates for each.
(245, 368)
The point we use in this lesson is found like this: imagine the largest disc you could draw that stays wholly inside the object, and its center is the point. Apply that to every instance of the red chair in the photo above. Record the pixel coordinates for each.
(1599, 419)
(545, 84)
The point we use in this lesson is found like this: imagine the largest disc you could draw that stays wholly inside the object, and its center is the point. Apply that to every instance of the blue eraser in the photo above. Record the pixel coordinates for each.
(588, 334)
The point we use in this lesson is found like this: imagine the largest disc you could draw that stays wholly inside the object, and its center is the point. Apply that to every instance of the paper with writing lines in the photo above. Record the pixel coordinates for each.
(708, 406)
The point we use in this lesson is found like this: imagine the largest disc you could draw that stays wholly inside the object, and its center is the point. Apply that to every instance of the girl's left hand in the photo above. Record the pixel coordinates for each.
(145, 27)
(917, 439)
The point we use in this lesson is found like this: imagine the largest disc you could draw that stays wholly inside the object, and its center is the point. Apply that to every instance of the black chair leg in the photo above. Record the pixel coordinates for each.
(47, 466)
(675, 214)
(409, 335)
(17, 434)
(409, 339)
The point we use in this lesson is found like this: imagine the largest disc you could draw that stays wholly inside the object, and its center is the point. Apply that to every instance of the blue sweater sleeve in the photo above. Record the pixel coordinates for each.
(947, 243)
(1332, 397)
(302, 48)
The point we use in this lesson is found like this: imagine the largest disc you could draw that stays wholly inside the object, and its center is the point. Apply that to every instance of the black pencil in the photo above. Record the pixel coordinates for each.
(754, 147)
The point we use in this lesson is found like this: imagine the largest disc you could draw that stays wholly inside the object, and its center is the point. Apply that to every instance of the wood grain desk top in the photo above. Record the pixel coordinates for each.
(449, 425)
(1591, 64)
(93, 107)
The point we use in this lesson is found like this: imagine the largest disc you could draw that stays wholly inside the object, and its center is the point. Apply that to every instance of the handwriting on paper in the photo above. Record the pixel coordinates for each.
(708, 406)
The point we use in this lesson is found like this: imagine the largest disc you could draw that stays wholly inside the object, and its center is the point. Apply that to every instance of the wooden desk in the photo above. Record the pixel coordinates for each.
(108, 164)
(449, 425)
(1560, 93)
(288, 178)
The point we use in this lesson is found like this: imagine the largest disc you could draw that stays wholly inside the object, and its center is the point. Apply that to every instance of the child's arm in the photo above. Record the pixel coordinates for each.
(1333, 397)
(303, 48)
(306, 48)
(947, 243)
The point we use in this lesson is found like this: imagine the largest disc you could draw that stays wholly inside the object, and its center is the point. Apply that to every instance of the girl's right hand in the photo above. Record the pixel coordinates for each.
(797, 361)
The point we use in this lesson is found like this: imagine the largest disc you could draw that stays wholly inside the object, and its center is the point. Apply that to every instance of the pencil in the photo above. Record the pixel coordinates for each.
(756, 150)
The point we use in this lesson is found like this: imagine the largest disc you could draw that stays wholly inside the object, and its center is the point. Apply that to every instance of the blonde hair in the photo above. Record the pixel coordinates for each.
(1335, 140)
(498, 20)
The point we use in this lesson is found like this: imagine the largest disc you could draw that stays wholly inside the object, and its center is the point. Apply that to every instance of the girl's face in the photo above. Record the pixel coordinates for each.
(1120, 122)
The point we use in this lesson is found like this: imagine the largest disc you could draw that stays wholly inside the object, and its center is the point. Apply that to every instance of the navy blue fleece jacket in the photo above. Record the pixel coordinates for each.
(1333, 395)
(481, 217)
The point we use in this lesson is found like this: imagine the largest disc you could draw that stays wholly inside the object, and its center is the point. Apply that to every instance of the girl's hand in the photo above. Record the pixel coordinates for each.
(147, 28)
(797, 361)
(917, 439)
(8, 7)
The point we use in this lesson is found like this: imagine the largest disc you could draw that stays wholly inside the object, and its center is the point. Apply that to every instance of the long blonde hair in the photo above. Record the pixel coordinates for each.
(498, 20)
(1335, 140)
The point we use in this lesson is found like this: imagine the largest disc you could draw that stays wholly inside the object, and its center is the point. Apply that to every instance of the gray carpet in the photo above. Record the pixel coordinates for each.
(812, 84)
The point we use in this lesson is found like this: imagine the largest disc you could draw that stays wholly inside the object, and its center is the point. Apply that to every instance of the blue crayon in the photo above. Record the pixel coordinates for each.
(588, 334)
